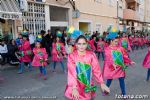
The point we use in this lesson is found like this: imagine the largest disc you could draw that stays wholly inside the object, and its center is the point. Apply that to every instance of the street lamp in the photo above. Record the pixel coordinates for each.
(117, 7)
(72, 2)
(118, 13)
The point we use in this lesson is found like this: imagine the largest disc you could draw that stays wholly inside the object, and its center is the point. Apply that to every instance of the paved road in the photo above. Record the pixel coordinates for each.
(29, 84)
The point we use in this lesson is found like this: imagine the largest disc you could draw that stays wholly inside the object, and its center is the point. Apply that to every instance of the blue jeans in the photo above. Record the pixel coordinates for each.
(21, 67)
(148, 74)
(122, 84)
(62, 65)
(42, 70)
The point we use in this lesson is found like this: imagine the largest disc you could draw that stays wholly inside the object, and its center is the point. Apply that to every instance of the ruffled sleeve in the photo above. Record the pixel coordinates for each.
(126, 58)
(72, 80)
(45, 54)
(96, 69)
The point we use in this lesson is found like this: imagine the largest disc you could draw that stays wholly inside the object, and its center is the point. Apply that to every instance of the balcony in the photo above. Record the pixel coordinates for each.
(131, 1)
(129, 14)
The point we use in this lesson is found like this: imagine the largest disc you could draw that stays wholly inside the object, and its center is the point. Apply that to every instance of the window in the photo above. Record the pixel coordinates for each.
(39, 0)
(99, 1)
(110, 2)
(34, 20)
(98, 27)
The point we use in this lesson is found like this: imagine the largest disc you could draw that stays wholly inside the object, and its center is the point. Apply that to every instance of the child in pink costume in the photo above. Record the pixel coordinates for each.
(40, 58)
(83, 67)
(146, 64)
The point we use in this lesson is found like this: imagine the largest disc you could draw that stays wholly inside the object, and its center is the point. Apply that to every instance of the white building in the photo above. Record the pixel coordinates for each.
(47, 15)
(10, 17)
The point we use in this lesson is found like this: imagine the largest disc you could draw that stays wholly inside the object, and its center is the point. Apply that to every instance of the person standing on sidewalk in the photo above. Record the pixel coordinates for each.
(32, 40)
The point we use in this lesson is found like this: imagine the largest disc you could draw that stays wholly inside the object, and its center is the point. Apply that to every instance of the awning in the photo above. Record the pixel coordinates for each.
(9, 9)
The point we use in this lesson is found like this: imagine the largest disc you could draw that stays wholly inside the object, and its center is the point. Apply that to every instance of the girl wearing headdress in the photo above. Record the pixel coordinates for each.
(40, 58)
(131, 38)
(115, 63)
(58, 52)
(124, 42)
(92, 43)
(83, 68)
(25, 53)
(69, 46)
(100, 47)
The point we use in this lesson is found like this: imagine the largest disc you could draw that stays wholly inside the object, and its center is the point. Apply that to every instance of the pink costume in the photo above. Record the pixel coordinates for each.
(91, 43)
(135, 41)
(140, 41)
(90, 68)
(100, 46)
(117, 56)
(144, 40)
(146, 62)
(131, 41)
(25, 50)
(56, 48)
(39, 53)
(124, 42)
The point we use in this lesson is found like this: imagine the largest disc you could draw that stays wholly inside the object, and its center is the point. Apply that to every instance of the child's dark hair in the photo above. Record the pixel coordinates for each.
(60, 39)
(40, 44)
(81, 37)
(109, 40)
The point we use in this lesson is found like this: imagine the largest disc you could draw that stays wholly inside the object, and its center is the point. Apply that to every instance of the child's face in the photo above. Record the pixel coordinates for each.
(13, 42)
(38, 45)
(20, 36)
(24, 38)
(57, 39)
(81, 45)
(115, 42)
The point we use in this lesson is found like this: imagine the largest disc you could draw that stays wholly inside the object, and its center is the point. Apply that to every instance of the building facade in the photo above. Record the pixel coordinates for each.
(96, 15)
(10, 18)
(147, 15)
(86, 15)
(133, 14)
(47, 15)
(33, 17)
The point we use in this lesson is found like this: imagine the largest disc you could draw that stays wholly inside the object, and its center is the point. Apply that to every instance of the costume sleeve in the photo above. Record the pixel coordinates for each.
(36, 53)
(26, 48)
(96, 69)
(129, 45)
(126, 58)
(54, 51)
(149, 49)
(45, 54)
(63, 49)
(72, 80)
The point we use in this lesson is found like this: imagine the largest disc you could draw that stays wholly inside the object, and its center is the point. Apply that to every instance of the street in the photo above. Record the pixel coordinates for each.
(29, 84)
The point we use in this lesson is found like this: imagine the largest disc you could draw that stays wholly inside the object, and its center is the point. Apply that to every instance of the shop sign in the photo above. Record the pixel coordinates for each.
(9, 16)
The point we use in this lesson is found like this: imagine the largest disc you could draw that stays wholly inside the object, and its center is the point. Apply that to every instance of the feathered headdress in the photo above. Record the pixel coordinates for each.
(73, 33)
(24, 33)
(59, 34)
(113, 33)
(39, 38)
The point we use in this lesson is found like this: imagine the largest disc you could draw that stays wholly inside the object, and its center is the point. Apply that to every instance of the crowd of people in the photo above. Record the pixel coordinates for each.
(82, 52)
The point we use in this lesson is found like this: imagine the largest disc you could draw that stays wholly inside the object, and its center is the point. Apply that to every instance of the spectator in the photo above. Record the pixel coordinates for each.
(12, 48)
(3, 52)
(47, 40)
(32, 40)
